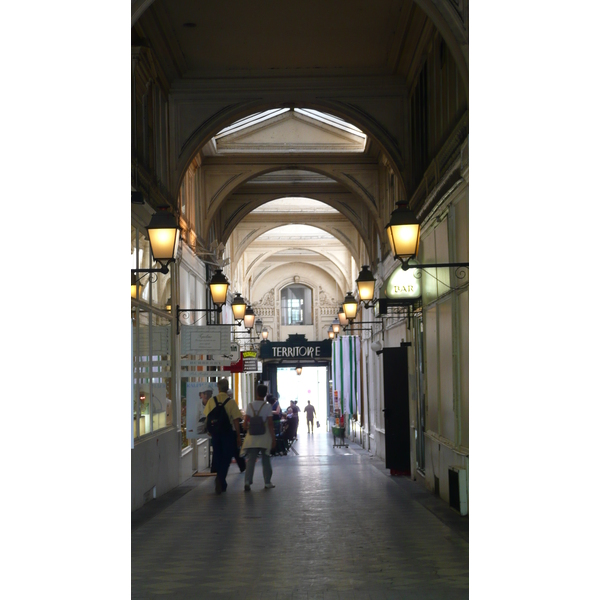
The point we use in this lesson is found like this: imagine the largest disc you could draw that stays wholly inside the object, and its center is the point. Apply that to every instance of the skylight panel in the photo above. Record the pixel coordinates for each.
(251, 120)
(331, 120)
(277, 131)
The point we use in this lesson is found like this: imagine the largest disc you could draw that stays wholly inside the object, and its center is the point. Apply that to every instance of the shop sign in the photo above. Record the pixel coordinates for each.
(205, 339)
(236, 367)
(296, 347)
(250, 358)
(403, 285)
(195, 409)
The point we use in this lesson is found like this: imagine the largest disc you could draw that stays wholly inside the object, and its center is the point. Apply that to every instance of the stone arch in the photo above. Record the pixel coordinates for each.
(339, 279)
(354, 252)
(237, 180)
(229, 114)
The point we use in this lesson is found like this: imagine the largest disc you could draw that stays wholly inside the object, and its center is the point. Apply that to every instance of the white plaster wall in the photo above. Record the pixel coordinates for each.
(461, 216)
(155, 462)
(326, 300)
(438, 459)
(307, 330)
(186, 466)
(446, 344)
(309, 274)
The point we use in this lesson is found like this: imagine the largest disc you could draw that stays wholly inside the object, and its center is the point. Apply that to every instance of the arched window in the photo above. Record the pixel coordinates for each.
(296, 305)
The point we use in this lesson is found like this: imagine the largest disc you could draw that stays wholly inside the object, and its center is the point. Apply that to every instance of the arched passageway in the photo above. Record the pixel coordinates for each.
(358, 108)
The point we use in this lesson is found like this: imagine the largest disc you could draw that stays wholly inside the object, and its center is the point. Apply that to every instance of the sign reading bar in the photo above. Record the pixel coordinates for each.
(296, 347)
(403, 285)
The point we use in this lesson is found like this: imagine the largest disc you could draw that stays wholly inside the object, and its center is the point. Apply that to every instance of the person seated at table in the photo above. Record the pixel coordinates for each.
(276, 412)
(292, 412)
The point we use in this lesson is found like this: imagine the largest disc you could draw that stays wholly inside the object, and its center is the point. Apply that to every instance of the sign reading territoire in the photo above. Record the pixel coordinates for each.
(297, 351)
(296, 346)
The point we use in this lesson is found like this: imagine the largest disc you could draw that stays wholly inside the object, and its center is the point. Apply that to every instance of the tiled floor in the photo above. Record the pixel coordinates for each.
(336, 526)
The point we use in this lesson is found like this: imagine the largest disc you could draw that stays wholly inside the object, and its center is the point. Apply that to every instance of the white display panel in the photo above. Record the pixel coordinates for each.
(194, 407)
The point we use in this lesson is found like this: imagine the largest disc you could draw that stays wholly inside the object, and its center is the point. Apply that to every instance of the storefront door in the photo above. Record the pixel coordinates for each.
(397, 420)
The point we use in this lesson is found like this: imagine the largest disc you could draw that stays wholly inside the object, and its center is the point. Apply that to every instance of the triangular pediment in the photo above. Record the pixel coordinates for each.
(290, 132)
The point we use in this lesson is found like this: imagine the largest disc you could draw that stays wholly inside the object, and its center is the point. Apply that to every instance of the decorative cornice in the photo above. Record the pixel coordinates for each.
(216, 194)
(362, 187)
(442, 167)
(268, 299)
(253, 263)
(233, 215)
(206, 124)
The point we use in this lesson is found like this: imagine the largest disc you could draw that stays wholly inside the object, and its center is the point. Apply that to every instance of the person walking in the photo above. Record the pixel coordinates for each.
(240, 460)
(310, 415)
(260, 437)
(205, 396)
(223, 439)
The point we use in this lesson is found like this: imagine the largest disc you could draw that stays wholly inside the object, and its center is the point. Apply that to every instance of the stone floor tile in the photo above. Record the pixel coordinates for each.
(336, 527)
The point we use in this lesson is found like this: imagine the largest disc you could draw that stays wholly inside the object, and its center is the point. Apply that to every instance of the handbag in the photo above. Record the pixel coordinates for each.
(318, 424)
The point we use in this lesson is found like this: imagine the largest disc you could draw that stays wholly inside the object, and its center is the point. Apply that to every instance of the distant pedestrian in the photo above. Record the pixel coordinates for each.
(294, 419)
(276, 412)
(224, 441)
(240, 460)
(310, 415)
(260, 437)
(205, 396)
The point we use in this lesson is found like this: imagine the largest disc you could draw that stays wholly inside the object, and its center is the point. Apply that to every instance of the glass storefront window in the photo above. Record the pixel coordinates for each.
(296, 305)
(162, 388)
(152, 380)
(141, 376)
(153, 391)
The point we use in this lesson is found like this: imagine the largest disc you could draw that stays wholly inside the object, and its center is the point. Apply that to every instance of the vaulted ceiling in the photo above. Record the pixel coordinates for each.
(353, 60)
(273, 38)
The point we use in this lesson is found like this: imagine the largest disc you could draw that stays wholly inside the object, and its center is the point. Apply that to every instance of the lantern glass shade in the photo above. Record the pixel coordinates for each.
(239, 307)
(258, 325)
(343, 319)
(330, 333)
(366, 284)
(265, 333)
(163, 235)
(336, 326)
(133, 286)
(218, 288)
(350, 306)
(168, 305)
(404, 233)
(299, 369)
(249, 318)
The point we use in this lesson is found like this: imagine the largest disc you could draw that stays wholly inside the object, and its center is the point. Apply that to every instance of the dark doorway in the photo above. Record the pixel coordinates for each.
(397, 420)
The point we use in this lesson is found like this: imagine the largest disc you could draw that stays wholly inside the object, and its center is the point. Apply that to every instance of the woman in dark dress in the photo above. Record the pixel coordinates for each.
(273, 400)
